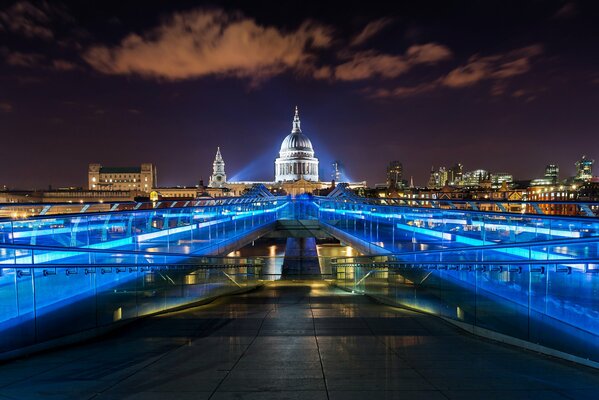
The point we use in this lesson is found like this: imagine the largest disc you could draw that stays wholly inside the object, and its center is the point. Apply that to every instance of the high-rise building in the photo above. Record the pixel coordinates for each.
(498, 178)
(474, 178)
(584, 169)
(395, 175)
(218, 177)
(443, 175)
(438, 178)
(455, 175)
(552, 173)
(142, 178)
(432, 179)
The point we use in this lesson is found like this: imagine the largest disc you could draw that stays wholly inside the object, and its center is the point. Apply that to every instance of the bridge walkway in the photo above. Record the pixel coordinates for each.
(293, 340)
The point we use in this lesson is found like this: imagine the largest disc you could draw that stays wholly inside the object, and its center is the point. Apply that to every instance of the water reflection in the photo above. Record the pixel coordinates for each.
(271, 250)
(328, 251)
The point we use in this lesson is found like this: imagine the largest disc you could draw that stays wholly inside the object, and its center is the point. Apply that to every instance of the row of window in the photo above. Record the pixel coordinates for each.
(110, 179)
(297, 168)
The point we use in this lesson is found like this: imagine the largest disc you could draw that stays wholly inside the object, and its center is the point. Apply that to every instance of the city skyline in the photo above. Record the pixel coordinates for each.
(388, 85)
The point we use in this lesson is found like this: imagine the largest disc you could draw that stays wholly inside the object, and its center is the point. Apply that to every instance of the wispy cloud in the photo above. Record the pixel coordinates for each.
(35, 60)
(63, 65)
(497, 68)
(370, 30)
(18, 59)
(369, 64)
(28, 19)
(568, 10)
(6, 106)
(211, 42)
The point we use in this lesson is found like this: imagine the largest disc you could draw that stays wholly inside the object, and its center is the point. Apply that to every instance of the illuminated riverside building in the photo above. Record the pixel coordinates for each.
(140, 179)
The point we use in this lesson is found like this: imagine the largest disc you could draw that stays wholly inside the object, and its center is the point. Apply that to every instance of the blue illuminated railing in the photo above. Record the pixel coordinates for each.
(93, 289)
(401, 228)
(28, 210)
(550, 305)
(176, 230)
(540, 207)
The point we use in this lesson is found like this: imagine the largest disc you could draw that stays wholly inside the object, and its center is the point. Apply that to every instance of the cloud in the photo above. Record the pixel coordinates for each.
(63, 65)
(18, 59)
(497, 68)
(211, 42)
(6, 107)
(369, 64)
(35, 60)
(567, 11)
(27, 19)
(366, 65)
(370, 30)
(401, 91)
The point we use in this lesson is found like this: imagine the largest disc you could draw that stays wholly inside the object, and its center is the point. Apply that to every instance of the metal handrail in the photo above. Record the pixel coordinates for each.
(243, 201)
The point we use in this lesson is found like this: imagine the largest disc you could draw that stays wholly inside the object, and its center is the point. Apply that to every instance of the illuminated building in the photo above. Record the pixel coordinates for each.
(546, 193)
(499, 178)
(552, 173)
(337, 171)
(475, 178)
(219, 177)
(140, 179)
(455, 175)
(296, 159)
(551, 176)
(296, 168)
(584, 169)
(186, 192)
(394, 175)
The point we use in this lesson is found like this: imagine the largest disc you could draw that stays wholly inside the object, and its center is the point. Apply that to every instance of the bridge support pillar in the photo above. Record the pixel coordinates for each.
(301, 257)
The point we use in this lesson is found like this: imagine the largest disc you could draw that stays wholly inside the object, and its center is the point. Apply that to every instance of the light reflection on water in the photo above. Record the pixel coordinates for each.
(327, 251)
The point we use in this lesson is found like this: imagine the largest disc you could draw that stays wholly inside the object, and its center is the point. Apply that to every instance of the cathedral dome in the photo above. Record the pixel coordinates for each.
(296, 141)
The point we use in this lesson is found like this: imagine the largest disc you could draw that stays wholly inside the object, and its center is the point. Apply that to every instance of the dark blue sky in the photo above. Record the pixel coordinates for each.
(506, 86)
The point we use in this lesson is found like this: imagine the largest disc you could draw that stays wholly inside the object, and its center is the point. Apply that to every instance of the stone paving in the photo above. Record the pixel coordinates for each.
(294, 340)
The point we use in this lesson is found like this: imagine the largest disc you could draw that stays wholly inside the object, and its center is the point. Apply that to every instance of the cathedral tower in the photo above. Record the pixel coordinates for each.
(219, 177)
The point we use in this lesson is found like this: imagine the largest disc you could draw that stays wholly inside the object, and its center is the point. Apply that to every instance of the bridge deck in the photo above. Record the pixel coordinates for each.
(302, 340)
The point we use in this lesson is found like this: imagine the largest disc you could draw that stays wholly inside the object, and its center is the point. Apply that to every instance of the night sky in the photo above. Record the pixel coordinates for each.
(501, 85)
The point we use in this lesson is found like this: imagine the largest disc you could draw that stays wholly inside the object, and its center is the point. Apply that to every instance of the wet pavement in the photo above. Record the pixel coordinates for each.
(294, 340)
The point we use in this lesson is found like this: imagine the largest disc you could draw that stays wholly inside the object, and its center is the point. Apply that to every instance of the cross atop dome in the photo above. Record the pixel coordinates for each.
(296, 121)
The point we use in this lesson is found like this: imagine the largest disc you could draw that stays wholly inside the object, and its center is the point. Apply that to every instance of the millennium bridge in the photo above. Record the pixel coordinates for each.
(446, 299)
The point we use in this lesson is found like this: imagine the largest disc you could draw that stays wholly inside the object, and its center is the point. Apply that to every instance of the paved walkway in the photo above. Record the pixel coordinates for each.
(294, 341)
